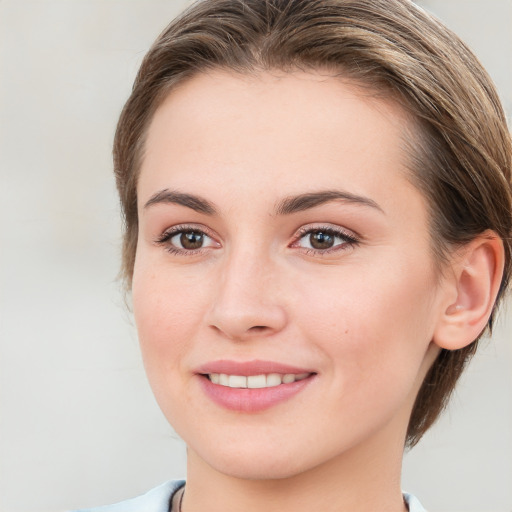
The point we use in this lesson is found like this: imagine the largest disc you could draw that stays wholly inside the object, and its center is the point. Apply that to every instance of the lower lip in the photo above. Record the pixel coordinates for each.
(252, 400)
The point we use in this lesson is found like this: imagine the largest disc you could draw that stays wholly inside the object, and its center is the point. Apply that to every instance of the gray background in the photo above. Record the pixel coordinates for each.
(78, 423)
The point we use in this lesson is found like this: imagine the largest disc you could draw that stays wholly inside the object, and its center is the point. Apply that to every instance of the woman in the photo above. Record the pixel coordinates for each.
(317, 198)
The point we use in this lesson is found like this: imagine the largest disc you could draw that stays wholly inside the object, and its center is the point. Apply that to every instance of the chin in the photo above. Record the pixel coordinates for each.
(256, 469)
(257, 461)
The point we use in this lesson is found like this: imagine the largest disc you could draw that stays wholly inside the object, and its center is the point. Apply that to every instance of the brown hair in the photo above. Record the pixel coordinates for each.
(461, 159)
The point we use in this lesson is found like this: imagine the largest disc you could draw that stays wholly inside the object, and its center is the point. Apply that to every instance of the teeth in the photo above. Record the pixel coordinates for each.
(255, 381)
(237, 381)
(274, 379)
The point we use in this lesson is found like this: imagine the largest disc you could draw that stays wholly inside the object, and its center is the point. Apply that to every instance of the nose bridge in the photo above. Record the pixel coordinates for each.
(247, 299)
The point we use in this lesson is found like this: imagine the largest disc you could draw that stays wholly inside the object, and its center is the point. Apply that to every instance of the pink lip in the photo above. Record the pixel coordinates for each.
(247, 368)
(251, 400)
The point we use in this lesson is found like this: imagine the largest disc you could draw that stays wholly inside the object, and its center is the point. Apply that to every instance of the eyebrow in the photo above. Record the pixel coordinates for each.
(303, 202)
(194, 202)
(286, 206)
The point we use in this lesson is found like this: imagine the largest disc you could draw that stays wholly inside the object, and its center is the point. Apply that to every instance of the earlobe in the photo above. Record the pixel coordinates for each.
(475, 281)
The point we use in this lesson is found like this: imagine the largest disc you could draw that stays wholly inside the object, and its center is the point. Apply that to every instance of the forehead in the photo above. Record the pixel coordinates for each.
(301, 129)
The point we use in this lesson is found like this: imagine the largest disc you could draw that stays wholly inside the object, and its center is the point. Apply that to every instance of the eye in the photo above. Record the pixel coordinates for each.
(319, 240)
(183, 239)
(189, 240)
(324, 239)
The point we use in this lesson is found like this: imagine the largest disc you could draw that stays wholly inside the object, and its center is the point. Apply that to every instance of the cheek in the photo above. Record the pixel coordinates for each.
(374, 329)
(167, 314)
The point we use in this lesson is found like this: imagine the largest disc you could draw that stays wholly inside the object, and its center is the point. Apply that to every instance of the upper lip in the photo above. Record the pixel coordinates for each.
(248, 368)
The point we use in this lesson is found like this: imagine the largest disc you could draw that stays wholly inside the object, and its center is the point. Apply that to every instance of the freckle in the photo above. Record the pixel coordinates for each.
(346, 332)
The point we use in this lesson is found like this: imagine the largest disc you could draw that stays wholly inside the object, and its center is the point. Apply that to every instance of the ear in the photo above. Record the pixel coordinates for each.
(471, 291)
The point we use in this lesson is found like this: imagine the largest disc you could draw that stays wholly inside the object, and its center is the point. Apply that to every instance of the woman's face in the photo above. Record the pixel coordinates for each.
(283, 251)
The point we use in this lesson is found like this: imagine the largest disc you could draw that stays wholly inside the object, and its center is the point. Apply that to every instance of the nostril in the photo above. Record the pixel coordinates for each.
(246, 320)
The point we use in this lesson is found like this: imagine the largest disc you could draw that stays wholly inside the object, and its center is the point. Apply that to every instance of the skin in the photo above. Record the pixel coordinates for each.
(361, 315)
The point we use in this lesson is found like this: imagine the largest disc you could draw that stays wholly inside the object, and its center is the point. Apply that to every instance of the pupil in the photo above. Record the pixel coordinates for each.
(191, 240)
(321, 240)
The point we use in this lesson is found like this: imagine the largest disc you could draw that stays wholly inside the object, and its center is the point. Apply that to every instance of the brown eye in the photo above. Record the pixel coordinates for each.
(321, 240)
(191, 240)
(186, 241)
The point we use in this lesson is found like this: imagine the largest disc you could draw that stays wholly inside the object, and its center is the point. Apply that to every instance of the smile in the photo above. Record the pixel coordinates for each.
(255, 381)
(253, 386)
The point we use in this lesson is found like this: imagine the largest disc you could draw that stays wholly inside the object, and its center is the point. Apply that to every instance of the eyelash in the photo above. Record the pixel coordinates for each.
(165, 239)
(349, 240)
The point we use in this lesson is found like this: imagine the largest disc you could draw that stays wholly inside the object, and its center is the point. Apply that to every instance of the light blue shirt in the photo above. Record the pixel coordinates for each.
(158, 499)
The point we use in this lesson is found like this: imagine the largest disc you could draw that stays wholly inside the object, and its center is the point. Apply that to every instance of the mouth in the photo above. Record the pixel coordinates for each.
(261, 381)
(252, 386)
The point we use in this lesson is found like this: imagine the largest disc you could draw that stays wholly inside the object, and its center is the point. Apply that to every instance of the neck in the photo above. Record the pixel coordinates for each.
(361, 479)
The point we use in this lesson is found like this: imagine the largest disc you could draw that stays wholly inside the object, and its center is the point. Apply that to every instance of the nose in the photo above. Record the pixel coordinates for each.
(247, 300)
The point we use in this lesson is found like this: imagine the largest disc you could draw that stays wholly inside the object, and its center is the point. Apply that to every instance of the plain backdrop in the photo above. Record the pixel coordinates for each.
(78, 423)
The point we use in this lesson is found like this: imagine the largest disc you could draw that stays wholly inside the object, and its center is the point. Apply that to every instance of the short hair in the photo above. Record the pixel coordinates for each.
(461, 153)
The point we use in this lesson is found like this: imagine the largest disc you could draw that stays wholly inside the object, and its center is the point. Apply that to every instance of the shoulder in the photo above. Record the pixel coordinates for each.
(155, 500)
(413, 503)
